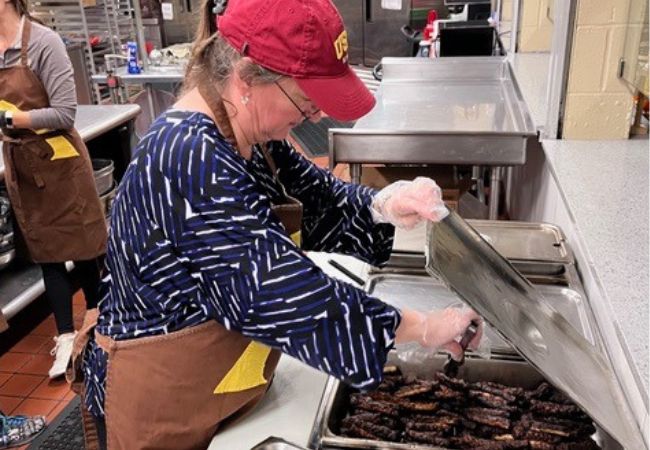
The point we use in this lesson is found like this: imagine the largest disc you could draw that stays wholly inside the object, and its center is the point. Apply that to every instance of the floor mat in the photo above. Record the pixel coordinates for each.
(312, 137)
(64, 433)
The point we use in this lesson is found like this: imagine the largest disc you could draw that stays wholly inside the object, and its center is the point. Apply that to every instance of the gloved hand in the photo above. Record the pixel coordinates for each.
(440, 329)
(407, 203)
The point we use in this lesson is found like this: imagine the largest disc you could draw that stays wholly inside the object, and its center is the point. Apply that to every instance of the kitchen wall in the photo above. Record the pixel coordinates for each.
(598, 104)
(535, 28)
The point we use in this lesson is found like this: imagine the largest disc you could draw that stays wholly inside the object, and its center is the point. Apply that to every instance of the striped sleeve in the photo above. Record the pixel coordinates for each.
(337, 215)
(255, 281)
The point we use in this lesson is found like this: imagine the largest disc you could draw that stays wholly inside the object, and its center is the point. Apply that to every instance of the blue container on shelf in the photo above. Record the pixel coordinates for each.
(132, 54)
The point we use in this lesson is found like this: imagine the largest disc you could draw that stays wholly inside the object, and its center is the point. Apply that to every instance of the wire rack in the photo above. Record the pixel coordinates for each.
(101, 26)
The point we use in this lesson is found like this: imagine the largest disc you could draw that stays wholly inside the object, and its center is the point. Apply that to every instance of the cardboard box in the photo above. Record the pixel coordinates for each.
(379, 177)
(452, 189)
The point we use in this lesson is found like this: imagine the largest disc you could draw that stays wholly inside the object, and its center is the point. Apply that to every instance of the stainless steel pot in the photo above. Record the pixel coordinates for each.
(6, 258)
(103, 172)
(107, 198)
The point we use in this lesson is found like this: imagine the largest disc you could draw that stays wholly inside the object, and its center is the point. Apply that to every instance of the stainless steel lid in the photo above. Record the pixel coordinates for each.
(497, 291)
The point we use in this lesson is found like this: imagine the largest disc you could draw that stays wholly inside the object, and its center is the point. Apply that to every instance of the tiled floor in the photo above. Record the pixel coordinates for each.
(25, 387)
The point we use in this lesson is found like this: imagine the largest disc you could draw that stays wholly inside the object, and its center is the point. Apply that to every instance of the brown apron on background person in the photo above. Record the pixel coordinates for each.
(49, 177)
(174, 391)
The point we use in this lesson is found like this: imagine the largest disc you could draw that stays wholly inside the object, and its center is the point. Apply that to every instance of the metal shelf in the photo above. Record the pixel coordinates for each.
(111, 20)
(19, 286)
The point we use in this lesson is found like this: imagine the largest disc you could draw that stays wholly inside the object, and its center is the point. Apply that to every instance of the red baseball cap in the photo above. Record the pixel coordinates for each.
(305, 40)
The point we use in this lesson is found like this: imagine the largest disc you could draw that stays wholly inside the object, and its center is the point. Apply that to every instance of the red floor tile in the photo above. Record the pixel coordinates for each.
(55, 412)
(51, 389)
(4, 377)
(11, 362)
(35, 407)
(47, 347)
(46, 328)
(29, 344)
(38, 365)
(70, 395)
(8, 404)
(21, 385)
(77, 322)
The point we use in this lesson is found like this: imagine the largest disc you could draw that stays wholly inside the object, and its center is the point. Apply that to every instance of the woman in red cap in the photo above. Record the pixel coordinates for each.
(206, 284)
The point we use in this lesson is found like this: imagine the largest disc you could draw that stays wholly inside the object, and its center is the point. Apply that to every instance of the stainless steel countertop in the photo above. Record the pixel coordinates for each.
(531, 71)
(155, 75)
(93, 120)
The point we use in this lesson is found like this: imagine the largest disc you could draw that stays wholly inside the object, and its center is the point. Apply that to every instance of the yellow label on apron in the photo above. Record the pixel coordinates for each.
(248, 371)
(8, 106)
(297, 238)
(62, 148)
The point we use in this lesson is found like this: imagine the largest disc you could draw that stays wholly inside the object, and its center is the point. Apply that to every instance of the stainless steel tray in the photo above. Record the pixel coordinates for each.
(536, 272)
(457, 254)
(424, 293)
(440, 111)
(517, 241)
(275, 443)
(334, 403)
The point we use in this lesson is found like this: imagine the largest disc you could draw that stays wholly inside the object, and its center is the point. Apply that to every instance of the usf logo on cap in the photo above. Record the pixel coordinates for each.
(341, 46)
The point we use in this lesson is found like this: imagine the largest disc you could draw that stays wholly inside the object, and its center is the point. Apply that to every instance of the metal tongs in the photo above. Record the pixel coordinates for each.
(451, 366)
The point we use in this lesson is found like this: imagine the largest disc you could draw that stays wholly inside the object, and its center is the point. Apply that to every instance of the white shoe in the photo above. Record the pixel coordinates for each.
(62, 352)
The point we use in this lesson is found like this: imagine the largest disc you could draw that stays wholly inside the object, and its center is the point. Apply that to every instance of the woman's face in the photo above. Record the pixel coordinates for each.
(276, 108)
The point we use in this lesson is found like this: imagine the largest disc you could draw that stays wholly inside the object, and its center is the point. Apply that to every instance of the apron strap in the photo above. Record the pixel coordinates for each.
(24, 44)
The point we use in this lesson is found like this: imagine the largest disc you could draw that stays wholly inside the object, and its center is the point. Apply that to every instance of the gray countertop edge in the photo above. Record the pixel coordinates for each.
(90, 124)
(611, 281)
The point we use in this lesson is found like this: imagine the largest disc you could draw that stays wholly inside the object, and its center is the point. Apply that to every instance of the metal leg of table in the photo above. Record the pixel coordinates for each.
(152, 111)
(477, 178)
(355, 173)
(509, 181)
(495, 187)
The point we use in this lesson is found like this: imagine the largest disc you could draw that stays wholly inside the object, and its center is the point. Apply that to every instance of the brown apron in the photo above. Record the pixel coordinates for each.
(49, 177)
(176, 390)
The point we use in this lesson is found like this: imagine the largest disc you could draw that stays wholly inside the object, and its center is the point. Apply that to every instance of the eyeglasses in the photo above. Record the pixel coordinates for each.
(305, 116)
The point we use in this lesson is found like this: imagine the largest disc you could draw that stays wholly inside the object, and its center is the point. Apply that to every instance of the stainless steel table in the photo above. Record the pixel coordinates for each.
(466, 111)
(154, 75)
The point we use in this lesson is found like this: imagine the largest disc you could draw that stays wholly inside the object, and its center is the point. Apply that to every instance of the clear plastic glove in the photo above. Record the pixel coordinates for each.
(407, 203)
(440, 329)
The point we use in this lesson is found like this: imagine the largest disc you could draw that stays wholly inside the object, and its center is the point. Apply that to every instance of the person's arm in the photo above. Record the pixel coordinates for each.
(255, 281)
(54, 69)
(337, 215)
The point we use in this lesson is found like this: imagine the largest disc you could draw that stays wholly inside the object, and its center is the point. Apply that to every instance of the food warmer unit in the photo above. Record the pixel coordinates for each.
(539, 324)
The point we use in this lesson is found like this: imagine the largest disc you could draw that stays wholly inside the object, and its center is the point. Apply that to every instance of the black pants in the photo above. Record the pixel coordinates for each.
(59, 289)
(101, 433)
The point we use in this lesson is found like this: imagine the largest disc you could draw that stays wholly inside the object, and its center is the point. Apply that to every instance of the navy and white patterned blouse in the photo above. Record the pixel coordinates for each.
(193, 239)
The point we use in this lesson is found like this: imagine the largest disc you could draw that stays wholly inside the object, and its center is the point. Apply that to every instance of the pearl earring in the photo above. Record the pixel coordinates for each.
(245, 99)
